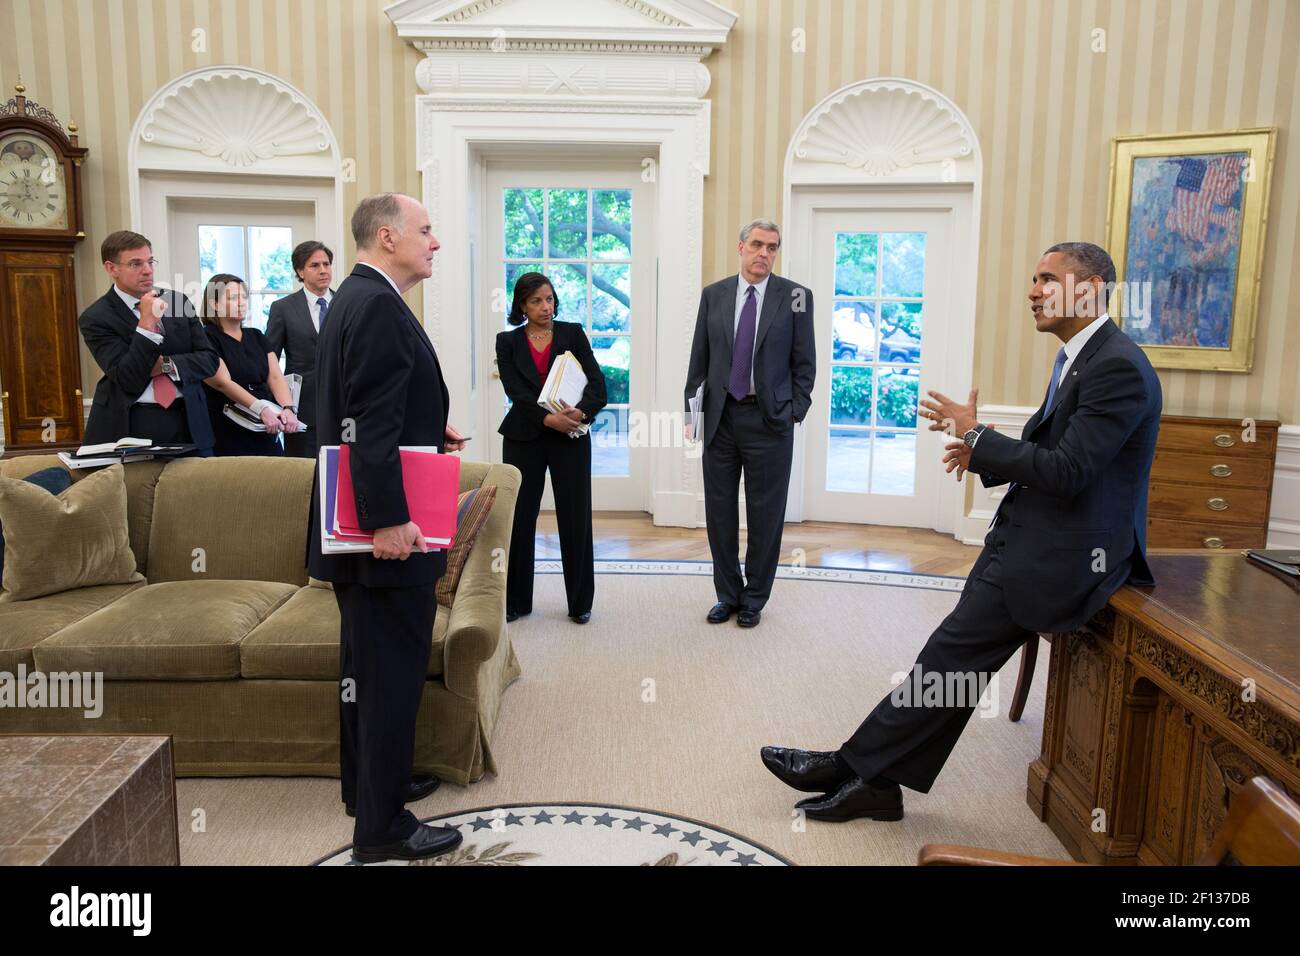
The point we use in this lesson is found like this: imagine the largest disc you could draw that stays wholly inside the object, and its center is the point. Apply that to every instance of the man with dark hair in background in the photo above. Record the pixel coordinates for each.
(152, 350)
(294, 326)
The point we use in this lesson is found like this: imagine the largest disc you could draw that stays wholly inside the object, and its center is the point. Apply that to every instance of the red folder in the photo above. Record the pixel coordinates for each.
(432, 485)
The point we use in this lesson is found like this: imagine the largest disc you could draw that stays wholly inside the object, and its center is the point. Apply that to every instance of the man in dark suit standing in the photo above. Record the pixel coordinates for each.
(152, 350)
(753, 351)
(294, 325)
(1069, 532)
(379, 386)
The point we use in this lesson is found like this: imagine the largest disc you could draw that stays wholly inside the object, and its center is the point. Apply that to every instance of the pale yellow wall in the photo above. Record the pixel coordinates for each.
(1043, 105)
(1044, 108)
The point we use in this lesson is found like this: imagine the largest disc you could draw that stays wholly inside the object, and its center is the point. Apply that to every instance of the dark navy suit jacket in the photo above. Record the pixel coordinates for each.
(376, 367)
(1078, 512)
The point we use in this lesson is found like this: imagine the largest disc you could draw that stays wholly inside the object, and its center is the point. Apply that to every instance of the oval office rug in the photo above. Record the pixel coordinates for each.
(583, 834)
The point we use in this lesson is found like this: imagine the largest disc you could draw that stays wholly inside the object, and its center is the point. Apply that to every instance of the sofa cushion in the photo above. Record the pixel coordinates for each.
(24, 624)
(249, 515)
(59, 542)
(300, 641)
(179, 630)
(472, 511)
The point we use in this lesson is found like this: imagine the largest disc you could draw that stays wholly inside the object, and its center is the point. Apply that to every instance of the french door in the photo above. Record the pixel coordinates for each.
(880, 284)
(588, 230)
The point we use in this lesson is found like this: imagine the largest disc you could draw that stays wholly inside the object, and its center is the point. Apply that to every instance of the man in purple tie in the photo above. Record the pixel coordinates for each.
(753, 352)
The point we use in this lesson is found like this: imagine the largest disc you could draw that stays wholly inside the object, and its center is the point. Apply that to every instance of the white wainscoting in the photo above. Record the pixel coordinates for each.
(1284, 516)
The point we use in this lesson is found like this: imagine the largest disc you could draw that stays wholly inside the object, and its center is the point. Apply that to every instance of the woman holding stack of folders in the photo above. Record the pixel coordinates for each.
(536, 439)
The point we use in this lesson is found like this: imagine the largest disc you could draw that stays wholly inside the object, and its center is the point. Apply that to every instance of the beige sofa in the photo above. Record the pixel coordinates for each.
(229, 648)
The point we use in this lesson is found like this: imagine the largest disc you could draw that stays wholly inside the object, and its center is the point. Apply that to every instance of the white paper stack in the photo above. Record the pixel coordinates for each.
(697, 412)
(564, 387)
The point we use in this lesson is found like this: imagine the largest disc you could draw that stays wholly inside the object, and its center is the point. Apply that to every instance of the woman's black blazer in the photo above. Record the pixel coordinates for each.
(523, 385)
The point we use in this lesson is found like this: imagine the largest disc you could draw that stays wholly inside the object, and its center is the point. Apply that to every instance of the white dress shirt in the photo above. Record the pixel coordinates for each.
(133, 303)
(760, 288)
(313, 307)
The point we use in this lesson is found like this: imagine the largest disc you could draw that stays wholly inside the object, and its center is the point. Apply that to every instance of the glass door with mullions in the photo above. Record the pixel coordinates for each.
(868, 455)
(588, 234)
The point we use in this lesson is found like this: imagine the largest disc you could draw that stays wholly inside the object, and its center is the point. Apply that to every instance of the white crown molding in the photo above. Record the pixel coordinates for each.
(695, 26)
(885, 129)
(234, 119)
(618, 77)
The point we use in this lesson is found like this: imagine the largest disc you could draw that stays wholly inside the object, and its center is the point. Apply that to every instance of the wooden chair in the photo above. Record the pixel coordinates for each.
(1262, 829)
(1028, 657)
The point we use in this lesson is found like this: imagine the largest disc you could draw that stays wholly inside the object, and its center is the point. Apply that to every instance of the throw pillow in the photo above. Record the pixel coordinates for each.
(76, 539)
(55, 480)
(472, 510)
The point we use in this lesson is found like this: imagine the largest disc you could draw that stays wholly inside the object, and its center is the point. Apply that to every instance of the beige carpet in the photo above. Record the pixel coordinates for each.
(649, 706)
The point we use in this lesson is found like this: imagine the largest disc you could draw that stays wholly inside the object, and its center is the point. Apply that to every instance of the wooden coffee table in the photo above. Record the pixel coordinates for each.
(87, 800)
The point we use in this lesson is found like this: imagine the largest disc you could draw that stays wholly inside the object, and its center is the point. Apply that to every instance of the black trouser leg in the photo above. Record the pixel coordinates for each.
(908, 742)
(530, 458)
(162, 426)
(570, 464)
(389, 633)
(765, 458)
(722, 508)
(347, 704)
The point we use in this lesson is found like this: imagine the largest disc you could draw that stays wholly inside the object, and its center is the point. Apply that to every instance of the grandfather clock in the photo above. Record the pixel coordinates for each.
(40, 226)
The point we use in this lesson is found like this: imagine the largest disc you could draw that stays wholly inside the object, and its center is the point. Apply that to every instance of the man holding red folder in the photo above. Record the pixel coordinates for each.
(379, 386)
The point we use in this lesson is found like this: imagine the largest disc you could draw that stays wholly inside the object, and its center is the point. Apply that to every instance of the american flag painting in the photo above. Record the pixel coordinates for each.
(1184, 239)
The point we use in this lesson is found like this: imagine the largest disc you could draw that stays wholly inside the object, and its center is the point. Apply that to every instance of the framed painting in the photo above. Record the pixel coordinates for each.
(1186, 230)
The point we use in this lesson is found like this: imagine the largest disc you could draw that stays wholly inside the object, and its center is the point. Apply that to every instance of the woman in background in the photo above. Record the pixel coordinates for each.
(248, 374)
(536, 439)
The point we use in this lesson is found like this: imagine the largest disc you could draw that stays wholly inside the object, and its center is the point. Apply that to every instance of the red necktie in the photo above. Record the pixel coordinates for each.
(164, 389)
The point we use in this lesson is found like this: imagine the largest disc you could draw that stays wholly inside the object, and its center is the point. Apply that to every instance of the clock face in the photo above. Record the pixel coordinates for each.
(33, 194)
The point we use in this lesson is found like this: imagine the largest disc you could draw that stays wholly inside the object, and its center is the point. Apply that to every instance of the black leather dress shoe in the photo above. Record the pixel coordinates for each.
(416, 790)
(511, 616)
(749, 617)
(720, 613)
(812, 771)
(582, 618)
(425, 842)
(857, 798)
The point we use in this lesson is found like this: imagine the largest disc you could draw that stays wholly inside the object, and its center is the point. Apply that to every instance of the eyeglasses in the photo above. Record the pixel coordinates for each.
(135, 265)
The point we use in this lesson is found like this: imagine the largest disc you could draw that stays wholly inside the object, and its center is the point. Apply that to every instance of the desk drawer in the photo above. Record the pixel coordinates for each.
(1168, 533)
(1225, 471)
(1217, 438)
(1207, 503)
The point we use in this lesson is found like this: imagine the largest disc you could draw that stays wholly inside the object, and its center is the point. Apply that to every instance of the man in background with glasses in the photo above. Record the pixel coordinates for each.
(152, 350)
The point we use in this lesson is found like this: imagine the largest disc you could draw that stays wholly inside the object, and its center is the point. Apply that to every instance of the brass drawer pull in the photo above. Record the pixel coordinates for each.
(1224, 441)
(1221, 471)
(1217, 504)
(1213, 542)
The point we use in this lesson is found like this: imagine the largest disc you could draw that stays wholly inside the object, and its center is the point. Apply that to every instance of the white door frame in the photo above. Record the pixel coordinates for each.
(888, 141)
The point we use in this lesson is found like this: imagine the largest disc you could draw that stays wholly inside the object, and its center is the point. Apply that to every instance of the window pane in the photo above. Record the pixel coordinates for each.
(900, 332)
(893, 463)
(902, 264)
(570, 284)
(614, 355)
(897, 390)
(523, 223)
(609, 452)
(611, 224)
(611, 298)
(853, 331)
(259, 310)
(850, 395)
(270, 250)
(847, 457)
(567, 238)
(855, 263)
(221, 249)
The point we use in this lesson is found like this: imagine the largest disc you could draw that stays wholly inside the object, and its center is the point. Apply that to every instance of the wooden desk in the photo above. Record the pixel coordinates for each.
(1150, 726)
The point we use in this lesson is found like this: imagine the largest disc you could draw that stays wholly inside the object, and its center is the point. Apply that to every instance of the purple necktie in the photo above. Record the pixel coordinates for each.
(742, 353)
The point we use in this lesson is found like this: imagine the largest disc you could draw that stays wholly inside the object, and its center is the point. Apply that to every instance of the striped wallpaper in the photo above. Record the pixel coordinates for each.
(1042, 103)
